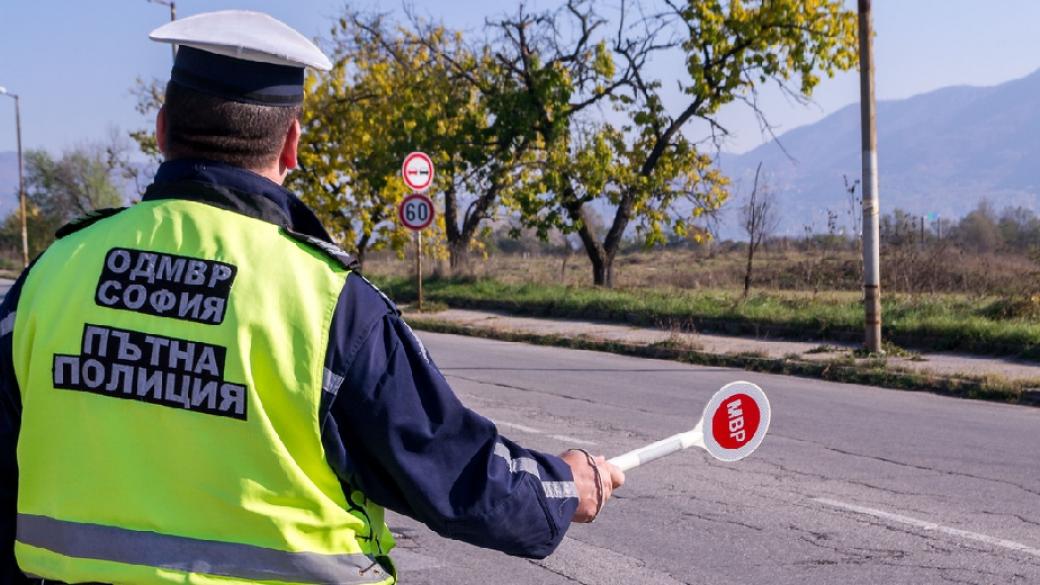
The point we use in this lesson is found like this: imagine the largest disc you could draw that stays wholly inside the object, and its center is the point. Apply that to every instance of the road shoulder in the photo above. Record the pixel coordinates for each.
(990, 378)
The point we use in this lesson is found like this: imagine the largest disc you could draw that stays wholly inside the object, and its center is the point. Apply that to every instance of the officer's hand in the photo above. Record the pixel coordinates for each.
(590, 498)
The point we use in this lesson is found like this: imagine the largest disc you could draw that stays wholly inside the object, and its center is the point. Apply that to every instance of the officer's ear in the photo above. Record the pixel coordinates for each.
(287, 159)
(160, 130)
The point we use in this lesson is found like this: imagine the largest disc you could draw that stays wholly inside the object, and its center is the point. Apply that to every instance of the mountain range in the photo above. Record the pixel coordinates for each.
(940, 152)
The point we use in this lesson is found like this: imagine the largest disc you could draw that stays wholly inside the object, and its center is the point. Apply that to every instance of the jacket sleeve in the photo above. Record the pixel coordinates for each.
(394, 429)
(10, 423)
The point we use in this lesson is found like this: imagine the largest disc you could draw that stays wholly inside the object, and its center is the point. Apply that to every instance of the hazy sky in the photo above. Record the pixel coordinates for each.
(73, 61)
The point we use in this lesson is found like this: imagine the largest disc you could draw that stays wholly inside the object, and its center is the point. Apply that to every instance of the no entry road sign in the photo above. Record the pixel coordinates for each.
(415, 212)
(417, 171)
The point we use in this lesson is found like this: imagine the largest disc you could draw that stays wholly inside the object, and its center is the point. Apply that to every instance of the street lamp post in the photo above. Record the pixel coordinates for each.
(173, 17)
(21, 176)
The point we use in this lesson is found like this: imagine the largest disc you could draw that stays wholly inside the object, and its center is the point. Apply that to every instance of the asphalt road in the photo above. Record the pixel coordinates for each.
(853, 484)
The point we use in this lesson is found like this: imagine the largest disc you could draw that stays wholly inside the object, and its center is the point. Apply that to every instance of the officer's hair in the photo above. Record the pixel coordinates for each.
(200, 125)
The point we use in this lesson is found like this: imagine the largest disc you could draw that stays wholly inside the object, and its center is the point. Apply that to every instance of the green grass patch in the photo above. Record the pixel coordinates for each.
(940, 322)
(433, 306)
(825, 348)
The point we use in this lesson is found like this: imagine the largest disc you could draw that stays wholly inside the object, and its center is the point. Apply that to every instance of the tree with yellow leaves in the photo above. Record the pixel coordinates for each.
(394, 90)
(351, 148)
(559, 60)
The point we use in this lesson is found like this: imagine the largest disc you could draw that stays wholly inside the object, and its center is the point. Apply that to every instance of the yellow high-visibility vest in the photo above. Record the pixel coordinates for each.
(171, 365)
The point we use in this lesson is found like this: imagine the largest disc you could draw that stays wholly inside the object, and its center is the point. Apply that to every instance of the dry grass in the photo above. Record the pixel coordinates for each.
(985, 304)
(937, 269)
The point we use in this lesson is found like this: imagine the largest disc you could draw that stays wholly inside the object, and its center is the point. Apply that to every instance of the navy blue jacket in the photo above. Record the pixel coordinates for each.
(391, 425)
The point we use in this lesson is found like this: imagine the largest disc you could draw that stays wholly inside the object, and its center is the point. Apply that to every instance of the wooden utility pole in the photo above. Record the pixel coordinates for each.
(871, 229)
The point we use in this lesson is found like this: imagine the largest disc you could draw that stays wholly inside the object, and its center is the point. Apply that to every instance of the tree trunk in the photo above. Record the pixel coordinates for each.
(747, 273)
(566, 257)
(361, 259)
(451, 228)
(599, 272)
(602, 266)
(458, 256)
(598, 256)
(361, 249)
(459, 238)
(361, 246)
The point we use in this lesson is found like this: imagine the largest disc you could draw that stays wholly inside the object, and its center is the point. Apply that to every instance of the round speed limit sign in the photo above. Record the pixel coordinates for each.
(416, 212)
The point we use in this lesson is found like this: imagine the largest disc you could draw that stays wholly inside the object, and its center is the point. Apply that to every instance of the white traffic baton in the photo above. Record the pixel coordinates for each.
(737, 420)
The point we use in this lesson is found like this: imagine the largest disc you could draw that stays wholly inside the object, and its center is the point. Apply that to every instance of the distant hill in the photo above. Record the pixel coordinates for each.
(939, 152)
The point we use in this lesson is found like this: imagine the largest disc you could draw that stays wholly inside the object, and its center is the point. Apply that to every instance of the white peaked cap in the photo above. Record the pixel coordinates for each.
(245, 35)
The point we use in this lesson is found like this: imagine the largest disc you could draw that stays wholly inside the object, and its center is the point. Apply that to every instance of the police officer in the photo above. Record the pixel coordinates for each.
(201, 387)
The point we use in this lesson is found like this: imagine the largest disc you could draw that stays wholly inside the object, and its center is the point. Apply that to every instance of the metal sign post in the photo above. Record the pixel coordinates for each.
(416, 211)
(418, 267)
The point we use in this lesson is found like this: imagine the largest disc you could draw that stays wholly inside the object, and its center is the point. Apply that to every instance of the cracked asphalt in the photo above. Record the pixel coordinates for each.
(853, 484)
(951, 487)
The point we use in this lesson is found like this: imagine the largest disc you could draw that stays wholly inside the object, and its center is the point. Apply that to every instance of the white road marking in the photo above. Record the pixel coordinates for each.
(570, 439)
(926, 525)
(516, 427)
(534, 431)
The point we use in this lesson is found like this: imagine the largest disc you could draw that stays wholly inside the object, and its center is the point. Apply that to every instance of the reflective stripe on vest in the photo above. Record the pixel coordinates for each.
(191, 555)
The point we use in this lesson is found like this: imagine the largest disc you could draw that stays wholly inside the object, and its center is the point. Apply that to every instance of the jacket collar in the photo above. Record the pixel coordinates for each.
(234, 189)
